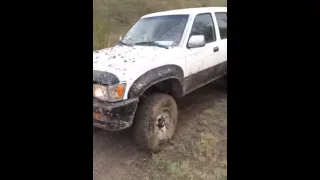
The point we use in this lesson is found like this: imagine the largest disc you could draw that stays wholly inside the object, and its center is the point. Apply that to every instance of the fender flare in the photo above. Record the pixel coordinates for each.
(155, 76)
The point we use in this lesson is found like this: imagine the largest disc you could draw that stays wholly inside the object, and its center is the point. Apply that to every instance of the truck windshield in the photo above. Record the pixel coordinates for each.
(157, 31)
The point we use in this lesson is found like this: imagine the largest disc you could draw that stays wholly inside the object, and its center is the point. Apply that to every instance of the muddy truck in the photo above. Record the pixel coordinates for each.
(164, 56)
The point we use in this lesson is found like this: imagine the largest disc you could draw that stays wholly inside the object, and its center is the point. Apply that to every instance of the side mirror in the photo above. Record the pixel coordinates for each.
(196, 41)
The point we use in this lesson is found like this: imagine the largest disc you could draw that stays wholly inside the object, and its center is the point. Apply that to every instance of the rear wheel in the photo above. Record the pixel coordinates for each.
(155, 121)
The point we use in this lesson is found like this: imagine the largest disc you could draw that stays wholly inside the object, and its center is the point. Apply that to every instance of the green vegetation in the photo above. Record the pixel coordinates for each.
(113, 18)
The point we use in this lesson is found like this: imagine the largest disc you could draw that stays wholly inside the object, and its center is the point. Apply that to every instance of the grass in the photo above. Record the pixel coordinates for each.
(113, 18)
(198, 151)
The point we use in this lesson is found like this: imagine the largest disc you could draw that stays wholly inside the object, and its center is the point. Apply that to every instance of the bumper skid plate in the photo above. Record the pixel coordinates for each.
(114, 116)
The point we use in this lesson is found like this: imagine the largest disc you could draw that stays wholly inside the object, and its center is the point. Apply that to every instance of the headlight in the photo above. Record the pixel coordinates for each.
(100, 92)
(109, 92)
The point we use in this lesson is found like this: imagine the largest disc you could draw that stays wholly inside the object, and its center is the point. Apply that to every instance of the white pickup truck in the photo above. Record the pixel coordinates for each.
(164, 56)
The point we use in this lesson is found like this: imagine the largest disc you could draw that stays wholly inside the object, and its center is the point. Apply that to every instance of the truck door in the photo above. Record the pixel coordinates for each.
(201, 62)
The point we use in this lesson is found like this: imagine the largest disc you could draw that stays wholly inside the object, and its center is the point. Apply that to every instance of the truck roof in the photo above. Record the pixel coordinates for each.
(188, 11)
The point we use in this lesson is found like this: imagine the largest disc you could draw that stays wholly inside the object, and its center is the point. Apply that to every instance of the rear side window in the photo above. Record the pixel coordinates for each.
(222, 24)
(203, 25)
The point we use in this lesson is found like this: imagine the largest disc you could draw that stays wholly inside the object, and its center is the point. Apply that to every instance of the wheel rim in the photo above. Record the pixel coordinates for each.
(163, 125)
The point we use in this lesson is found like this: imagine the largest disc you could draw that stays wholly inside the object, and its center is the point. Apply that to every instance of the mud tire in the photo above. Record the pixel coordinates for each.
(155, 121)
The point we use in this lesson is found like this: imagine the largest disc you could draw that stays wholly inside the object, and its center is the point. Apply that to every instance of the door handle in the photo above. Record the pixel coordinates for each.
(215, 49)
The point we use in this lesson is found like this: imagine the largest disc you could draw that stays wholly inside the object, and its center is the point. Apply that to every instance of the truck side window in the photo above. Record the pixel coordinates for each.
(203, 25)
(222, 24)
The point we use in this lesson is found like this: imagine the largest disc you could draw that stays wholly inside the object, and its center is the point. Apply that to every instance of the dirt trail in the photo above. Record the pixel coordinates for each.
(114, 153)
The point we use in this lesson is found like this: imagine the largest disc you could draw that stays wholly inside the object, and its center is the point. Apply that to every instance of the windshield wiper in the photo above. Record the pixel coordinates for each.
(123, 43)
(151, 43)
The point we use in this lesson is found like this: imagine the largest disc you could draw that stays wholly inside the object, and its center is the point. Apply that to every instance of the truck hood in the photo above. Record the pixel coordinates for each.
(122, 60)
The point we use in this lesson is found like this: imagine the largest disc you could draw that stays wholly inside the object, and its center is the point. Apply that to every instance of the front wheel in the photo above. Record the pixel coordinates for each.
(155, 122)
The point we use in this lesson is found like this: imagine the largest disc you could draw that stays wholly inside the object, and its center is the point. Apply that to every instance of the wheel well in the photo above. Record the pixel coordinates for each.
(171, 86)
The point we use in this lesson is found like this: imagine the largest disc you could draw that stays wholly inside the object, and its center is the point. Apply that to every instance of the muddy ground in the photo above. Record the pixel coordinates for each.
(198, 150)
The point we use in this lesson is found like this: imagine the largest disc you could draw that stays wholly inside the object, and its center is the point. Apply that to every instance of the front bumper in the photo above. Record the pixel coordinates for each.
(114, 116)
